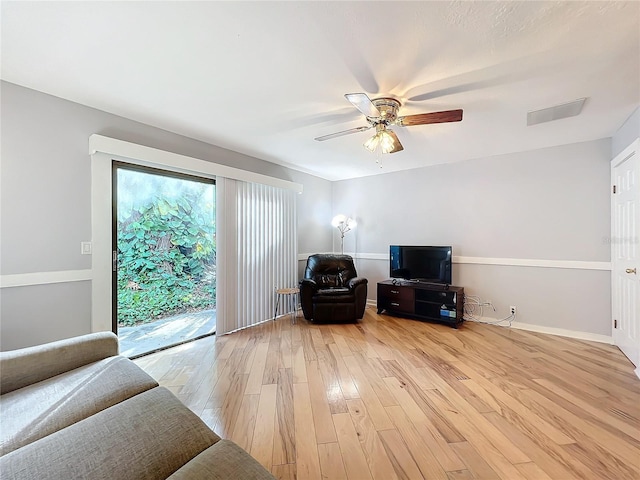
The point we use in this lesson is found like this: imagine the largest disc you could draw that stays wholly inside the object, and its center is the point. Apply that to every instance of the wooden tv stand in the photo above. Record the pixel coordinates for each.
(424, 301)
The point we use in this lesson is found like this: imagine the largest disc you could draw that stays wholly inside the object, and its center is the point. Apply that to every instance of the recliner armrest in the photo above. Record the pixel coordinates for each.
(355, 281)
(26, 366)
(308, 283)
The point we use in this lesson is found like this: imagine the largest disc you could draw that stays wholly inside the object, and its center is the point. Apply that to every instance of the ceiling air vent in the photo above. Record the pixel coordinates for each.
(565, 110)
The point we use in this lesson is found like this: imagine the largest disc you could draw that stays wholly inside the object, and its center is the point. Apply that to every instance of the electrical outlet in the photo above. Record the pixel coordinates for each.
(512, 310)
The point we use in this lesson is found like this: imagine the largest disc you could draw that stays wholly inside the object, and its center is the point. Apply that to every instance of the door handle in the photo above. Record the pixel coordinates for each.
(631, 270)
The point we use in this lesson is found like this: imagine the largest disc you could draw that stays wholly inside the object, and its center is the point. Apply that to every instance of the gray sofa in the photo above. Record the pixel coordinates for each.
(74, 409)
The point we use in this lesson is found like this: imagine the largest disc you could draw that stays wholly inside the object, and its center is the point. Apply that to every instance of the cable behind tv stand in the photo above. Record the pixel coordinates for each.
(422, 300)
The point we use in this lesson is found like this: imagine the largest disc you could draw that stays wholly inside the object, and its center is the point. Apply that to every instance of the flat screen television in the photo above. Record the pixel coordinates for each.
(420, 263)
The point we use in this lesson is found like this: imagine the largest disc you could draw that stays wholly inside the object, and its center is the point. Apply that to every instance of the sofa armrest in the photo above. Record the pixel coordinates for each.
(26, 366)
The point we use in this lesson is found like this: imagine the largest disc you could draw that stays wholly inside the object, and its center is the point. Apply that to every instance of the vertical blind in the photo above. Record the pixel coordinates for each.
(257, 251)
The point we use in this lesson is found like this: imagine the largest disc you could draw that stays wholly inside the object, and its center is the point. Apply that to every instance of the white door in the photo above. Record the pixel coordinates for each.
(625, 252)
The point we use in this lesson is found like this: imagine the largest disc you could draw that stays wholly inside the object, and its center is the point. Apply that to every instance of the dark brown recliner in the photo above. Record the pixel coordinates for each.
(331, 290)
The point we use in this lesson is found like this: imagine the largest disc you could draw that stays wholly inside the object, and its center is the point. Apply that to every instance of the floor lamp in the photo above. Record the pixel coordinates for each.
(343, 224)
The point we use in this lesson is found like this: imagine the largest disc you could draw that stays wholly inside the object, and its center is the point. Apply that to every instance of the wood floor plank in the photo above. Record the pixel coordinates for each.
(325, 433)
(376, 411)
(512, 453)
(328, 370)
(631, 429)
(273, 363)
(531, 471)
(420, 409)
(230, 408)
(507, 405)
(254, 384)
(298, 365)
(422, 400)
(307, 460)
(368, 366)
(284, 441)
(347, 386)
(331, 463)
(403, 462)
(377, 459)
(551, 458)
(285, 350)
(355, 462)
(474, 461)
(284, 472)
(421, 453)
(460, 475)
(264, 430)
(579, 427)
(341, 343)
(243, 428)
(492, 454)
(603, 465)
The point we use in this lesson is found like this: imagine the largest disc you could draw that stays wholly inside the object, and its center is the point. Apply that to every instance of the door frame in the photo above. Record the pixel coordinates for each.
(103, 150)
(115, 165)
(629, 349)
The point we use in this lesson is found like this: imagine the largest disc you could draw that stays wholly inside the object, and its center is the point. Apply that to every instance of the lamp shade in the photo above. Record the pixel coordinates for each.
(338, 219)
(343, 223)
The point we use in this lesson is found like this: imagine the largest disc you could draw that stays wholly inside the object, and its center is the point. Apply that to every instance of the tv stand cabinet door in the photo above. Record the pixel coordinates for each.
(396, 298)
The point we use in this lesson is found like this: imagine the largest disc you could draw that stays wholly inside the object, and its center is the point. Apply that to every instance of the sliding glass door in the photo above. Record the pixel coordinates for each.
(164, 258)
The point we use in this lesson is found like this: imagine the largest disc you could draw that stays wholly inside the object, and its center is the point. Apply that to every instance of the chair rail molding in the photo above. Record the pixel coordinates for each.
(507, 262)
(44, 278)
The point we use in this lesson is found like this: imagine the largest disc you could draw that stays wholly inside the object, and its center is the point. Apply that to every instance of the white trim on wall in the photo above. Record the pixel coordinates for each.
(65, 276)
(507, 262)
(154, 157)
(593, 337)
(44, 278)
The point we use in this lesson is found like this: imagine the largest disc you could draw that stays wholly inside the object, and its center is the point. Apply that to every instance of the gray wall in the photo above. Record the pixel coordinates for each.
(626, 134)
(544, 204)
(45, 205)
(549, 204)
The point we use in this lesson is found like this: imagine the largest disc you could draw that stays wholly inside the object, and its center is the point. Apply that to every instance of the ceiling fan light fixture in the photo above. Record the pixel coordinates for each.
(387, 143)
(372, 143)
(382, 139)
(382, 113)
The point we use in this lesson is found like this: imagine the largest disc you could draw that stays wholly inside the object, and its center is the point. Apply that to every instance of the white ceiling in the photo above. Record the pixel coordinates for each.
(265, 78)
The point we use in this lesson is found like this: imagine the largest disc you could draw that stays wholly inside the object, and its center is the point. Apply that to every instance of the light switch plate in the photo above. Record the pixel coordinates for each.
(85, 248)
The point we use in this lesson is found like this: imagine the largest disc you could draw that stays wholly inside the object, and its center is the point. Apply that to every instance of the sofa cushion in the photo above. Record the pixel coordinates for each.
(19, 368)
(223, 461)
(45, 407)
(148, 436)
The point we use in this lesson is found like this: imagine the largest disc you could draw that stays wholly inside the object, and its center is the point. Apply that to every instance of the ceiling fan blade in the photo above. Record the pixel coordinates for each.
(434, 117)
(344, 132)
(398, 146)
(363, 103)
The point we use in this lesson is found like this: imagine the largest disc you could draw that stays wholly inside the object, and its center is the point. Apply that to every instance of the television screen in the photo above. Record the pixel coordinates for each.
(420, 263)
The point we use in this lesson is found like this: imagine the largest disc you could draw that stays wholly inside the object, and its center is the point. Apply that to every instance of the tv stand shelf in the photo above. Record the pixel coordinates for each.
(424, 301)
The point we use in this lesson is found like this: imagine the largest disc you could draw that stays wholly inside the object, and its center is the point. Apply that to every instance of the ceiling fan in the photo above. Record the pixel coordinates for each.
(383, 112)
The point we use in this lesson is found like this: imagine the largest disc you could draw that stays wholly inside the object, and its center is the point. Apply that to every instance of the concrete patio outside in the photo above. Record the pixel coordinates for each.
(149, 337)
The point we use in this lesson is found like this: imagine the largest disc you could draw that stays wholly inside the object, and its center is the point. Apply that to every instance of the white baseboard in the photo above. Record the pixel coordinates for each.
(561, 332)
(593, 337)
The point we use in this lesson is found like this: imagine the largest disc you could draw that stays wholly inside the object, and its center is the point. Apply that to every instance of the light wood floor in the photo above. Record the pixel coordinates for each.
(395, 398)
